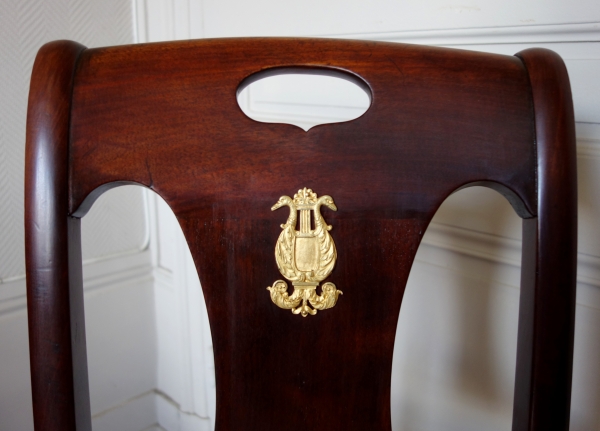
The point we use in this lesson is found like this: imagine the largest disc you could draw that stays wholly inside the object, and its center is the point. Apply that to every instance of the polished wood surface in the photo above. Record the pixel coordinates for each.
(165, 116)
(53, 249)
(547, 306)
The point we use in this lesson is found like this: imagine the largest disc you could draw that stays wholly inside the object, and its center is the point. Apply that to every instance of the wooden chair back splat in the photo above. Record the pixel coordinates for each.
(165, 116)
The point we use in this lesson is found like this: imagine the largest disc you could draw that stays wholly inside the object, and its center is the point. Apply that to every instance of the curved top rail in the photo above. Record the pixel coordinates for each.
(459, 117)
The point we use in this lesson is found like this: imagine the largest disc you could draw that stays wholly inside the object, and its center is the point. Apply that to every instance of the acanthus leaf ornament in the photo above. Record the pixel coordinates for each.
(305, 257)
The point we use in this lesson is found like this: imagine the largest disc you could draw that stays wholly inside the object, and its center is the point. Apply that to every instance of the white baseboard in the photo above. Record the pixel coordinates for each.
(151, 411)
(172, 418)
(136, 414)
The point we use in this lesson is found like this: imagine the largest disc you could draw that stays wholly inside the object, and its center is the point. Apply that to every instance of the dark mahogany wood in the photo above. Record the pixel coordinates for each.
(547, 306)
(53, 249)
(165, 116)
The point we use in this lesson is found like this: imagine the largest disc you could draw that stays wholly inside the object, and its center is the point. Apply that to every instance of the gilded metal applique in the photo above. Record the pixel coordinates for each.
(305, 257)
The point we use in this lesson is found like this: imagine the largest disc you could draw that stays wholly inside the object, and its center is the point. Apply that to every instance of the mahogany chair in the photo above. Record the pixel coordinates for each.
(165, 116)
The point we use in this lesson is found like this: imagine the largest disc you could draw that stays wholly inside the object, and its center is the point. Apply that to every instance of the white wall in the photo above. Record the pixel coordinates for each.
(455, 349)
(185, 368)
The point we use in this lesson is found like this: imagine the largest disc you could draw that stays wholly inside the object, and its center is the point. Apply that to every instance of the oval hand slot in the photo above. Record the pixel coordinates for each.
(306, 99)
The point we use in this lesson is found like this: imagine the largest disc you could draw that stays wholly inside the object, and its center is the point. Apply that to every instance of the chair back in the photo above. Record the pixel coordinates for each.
(303, 301)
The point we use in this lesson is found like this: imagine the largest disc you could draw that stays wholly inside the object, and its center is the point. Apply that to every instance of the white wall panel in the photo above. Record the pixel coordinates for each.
(16, 412)
(121, 346)
(456, 372)
(121, 343)
(116, 224)
(24, 27)
(335, 17)
(185, 366)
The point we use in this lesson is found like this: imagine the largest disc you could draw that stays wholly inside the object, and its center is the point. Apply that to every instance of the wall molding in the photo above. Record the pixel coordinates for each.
(171, 416)
(499, 249)
(473, 243)
(97, 274)
(552, 33)
(162, 20)
(587, 147)
(135, 414)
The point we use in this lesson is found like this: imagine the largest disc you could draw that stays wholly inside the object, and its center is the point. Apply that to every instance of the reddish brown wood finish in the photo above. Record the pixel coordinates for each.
(547, 308)
(53, 249)
(165, 116)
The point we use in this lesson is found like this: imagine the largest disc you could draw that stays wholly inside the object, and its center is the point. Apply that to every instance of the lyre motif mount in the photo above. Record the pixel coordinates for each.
(305, 257)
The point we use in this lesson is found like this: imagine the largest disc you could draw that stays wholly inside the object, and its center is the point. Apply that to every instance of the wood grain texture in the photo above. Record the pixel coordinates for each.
(549, 270)
(166, 116)
(53, 249)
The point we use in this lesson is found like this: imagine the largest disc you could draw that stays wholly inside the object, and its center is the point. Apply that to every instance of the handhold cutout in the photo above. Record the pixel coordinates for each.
(303, 96)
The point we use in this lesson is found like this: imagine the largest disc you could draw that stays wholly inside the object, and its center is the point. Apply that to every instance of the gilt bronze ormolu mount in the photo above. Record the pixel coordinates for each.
(305, 257)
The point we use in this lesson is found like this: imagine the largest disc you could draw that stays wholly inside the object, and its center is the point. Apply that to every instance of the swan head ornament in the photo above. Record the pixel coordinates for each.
(283, 201)
(328, 202)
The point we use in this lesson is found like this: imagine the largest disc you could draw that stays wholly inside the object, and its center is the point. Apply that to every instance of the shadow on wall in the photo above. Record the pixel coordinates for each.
(585, 402)
(455, 352)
